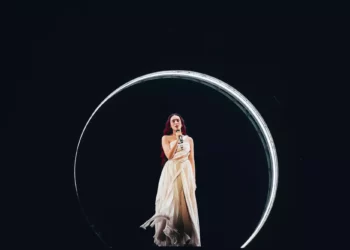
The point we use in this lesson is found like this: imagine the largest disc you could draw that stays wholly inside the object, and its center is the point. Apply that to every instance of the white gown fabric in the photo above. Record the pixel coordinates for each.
(176, 186)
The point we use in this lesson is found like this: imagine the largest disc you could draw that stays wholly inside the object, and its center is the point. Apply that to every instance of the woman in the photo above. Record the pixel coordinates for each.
(176, 219)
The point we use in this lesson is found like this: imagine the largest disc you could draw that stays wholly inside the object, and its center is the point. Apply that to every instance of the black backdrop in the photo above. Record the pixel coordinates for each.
(72, 64)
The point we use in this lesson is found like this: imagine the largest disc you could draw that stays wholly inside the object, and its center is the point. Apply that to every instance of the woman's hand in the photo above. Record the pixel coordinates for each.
(177, 134)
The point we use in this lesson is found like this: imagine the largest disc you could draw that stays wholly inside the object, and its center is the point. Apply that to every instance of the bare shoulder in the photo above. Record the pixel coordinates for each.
(166, 138)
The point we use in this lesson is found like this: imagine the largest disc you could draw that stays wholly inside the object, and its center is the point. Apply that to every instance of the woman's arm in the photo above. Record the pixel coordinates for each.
(169, 152)
(191, 157)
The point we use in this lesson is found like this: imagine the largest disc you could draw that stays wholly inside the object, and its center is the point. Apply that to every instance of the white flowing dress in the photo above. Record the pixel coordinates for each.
(176, 188)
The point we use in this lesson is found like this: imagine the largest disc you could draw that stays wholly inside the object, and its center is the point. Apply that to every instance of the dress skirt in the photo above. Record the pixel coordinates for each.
(176, 219)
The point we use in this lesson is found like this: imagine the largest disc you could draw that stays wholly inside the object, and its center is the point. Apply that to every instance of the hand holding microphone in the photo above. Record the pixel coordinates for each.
(179, 138)
(179, 135)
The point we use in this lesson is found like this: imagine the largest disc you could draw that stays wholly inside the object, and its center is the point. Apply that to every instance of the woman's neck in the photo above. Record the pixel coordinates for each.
(174, 132)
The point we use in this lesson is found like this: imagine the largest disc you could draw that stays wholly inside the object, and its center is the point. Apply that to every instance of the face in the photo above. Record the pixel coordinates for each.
(175, 122)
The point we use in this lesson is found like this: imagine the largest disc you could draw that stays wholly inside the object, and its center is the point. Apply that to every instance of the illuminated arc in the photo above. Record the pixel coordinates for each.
(236, 97)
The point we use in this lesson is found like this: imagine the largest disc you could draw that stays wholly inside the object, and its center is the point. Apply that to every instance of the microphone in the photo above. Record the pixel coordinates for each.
(180, 136)
(181, 140)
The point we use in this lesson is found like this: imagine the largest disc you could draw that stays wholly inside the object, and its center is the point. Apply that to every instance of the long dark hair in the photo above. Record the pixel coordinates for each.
(168, 131)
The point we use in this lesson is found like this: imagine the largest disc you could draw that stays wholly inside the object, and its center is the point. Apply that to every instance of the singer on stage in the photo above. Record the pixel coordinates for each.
(176, 214)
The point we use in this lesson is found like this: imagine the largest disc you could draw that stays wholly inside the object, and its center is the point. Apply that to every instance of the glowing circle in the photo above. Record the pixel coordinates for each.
(234, 96)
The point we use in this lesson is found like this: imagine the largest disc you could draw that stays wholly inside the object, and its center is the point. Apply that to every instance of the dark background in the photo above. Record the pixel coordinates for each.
(68, 65)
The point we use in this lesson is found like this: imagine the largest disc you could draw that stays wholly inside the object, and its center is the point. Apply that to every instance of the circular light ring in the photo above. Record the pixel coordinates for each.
(243, 103)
